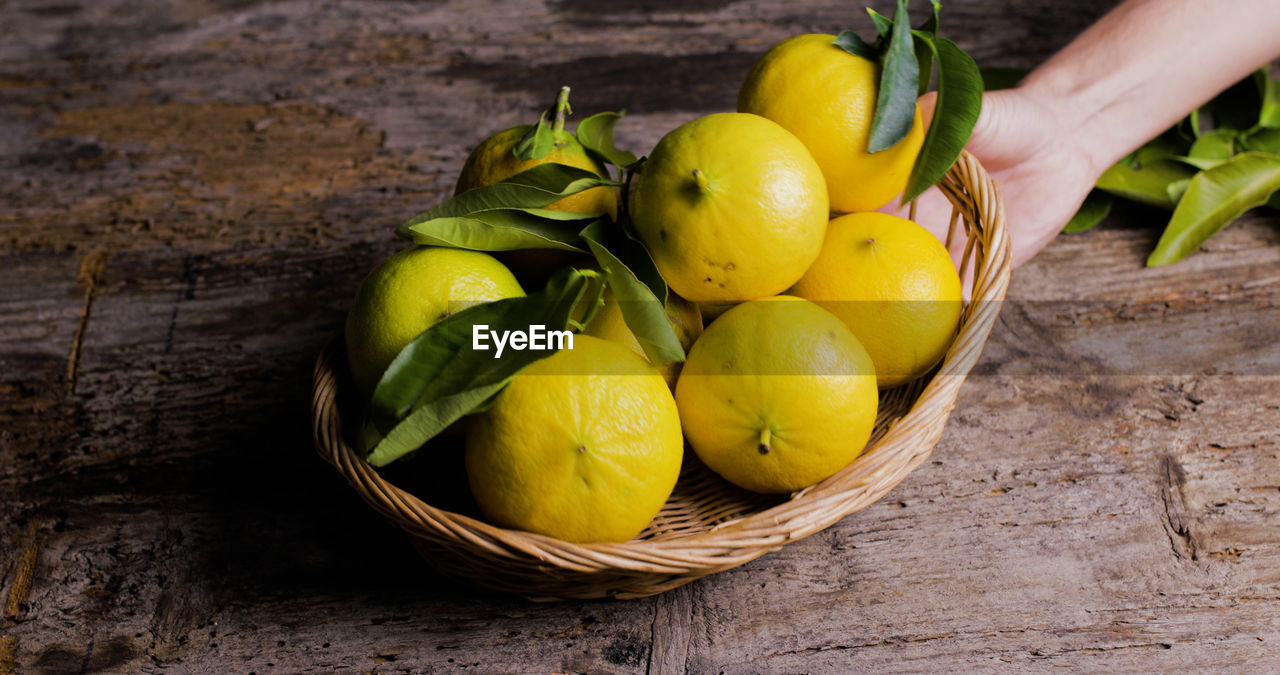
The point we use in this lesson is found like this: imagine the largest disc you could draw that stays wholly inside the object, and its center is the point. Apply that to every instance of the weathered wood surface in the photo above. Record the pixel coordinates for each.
(192, 191)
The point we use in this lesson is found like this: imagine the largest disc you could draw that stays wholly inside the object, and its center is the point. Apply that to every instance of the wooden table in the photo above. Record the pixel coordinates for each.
(191, 193)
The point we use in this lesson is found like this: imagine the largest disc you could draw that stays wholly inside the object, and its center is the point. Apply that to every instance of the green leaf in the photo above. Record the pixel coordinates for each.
(439, 376)
(957, 109)
(1215, 198)
(899, 79)
(1211, 149)
(1094, 210)
(1194, 119)
(426, 422)
(1176, 189)
(884, 25)
(999, 77)
(850, 42)
(1145, 176)
(930, 25)
(1269, 114)
(1217, 145)
(924, 64)
(505, 230)
(543, 137)
(1262, 140)
(537, 142)
(642, 305)
(596, 134)
(530, 189)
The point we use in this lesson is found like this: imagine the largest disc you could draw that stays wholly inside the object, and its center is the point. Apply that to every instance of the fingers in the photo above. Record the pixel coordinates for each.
(1008, 128)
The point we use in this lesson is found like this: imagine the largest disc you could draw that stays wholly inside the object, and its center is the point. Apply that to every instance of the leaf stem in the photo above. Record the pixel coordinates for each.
(562, 110)
(766, 439)
(594, 288)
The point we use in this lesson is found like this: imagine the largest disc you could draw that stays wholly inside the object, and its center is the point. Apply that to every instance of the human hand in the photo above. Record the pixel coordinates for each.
(1032, 150)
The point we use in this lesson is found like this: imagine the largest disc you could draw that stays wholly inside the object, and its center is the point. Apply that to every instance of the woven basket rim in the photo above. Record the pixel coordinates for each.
(906, 444)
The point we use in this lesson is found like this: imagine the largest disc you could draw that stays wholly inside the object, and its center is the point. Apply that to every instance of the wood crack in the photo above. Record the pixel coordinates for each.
(187, 292)
(1176, 524)
(672, 631)
(24, 574)
(89, 275)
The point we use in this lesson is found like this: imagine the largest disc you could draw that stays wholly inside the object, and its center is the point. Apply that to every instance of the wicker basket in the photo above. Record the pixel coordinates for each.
(707, 525)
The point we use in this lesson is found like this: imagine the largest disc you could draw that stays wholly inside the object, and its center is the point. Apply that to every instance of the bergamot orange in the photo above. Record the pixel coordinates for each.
(777, 395)
(410, 291)
(495, 160)
(893, 285)
(731, 206)
(827, 98)
(584, 445)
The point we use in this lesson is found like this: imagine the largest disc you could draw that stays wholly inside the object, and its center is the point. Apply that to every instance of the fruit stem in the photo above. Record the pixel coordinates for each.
(701, 179)
(766, 437)
(562, 111)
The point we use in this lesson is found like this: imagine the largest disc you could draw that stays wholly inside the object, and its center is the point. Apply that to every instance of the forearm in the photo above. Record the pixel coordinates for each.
(1148, 62)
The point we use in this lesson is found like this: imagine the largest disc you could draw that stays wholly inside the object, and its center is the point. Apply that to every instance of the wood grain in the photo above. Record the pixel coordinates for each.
(193, 191)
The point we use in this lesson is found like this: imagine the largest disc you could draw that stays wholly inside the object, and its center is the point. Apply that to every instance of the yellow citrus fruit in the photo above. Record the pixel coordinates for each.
(827, 97)
(409, 292)
(686, 319)
(894, 285)
(584, 445)
(731, 206)
(494, 160)
(777, 395)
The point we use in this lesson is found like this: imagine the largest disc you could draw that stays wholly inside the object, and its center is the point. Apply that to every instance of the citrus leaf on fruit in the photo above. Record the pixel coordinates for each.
(530, 189)
(642, 301)
(954, 115)
(505, 230)
(1214, 198)
(542, 137)
(427, 422)
(439, 377)
(924, 55)
(850, 42)
(924, 63)
(931, 24)
(538, 142)
(899, 81)
(884, 25)
(596, 134)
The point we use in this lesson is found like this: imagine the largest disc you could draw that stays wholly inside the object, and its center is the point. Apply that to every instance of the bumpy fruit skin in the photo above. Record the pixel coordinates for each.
(493, 161)
(826, 97)
(894, 285)
(777, 395)
(731, 206)
(584, 445)
(410, 291)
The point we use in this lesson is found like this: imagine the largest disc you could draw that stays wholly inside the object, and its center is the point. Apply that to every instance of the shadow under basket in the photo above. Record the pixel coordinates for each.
(708, 524)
